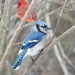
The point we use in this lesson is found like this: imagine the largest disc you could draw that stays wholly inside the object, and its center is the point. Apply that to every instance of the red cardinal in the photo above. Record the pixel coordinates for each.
(22, 7)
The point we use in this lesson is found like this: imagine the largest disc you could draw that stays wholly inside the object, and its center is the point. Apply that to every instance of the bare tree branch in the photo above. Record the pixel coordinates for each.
(56, 49)
(65, 56)
(72, 29)
(61, 12)
(57, 10)
(5, 20)
(61, 61)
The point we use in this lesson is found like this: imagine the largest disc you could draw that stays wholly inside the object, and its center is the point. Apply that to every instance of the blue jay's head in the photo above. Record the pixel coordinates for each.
(42, 27)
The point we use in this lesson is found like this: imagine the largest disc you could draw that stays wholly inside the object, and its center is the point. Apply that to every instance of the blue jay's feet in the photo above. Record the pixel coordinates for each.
(32, 59)
(41, 51)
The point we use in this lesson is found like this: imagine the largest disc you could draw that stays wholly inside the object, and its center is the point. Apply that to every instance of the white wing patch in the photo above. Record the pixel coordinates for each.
(24, 44)
(20, 51)
(33, 41)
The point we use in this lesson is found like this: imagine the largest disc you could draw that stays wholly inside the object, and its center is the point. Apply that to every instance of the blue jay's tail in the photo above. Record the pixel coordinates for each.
(19, 60)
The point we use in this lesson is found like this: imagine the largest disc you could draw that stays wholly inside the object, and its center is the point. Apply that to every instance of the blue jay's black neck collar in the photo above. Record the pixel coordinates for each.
(37, 26)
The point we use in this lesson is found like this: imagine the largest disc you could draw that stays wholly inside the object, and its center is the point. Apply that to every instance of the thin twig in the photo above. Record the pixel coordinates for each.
(42, 5)
(14, 37)
(61, 61)
(56, 49)
(60, 15)
(54, 11)
(61, 12)
(65, 56)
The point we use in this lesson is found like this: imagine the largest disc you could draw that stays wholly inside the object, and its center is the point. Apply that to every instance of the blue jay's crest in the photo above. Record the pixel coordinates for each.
(42, 27)
(33, 42)
(40, 23)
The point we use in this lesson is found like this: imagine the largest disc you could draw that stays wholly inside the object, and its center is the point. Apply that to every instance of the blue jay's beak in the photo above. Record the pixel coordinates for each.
(47, 28)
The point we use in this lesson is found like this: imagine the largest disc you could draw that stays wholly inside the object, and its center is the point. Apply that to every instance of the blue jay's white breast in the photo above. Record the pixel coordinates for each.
(36, 49)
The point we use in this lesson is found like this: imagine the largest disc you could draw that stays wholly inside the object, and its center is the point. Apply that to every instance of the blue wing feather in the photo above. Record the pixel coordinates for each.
(30, 37)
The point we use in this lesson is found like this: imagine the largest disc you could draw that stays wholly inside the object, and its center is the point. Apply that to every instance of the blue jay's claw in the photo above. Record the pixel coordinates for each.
(32, 59)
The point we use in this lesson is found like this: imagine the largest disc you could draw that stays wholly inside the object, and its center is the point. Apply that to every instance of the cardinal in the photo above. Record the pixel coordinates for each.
(22, 7)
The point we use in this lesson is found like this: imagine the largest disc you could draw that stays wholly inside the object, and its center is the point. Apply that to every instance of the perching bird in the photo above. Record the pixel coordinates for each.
(33, 43)
(22, 7)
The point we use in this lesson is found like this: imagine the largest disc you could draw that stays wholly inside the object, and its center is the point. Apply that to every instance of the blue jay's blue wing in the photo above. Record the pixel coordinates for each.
(31, 40)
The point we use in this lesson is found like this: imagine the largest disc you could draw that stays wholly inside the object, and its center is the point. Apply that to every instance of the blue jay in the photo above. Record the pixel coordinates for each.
(33, 43)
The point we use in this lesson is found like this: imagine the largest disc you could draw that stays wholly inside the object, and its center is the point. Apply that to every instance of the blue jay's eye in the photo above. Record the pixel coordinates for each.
(44, 26)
